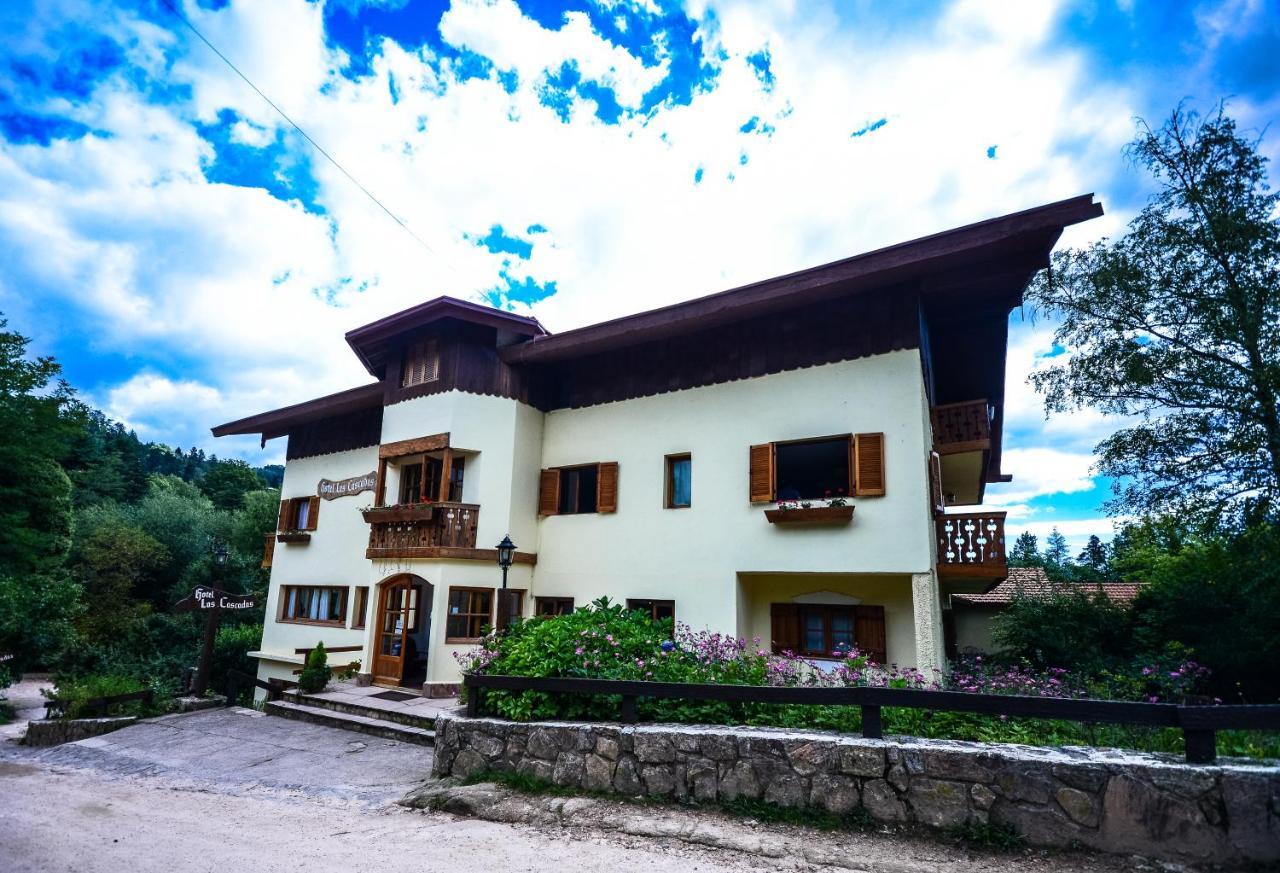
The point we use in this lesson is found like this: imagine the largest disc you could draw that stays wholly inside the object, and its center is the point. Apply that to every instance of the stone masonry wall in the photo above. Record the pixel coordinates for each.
(1113, 801)
(55, 732)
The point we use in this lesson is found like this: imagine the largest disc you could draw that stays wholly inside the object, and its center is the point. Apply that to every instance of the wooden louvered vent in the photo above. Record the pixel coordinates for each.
(421, 363)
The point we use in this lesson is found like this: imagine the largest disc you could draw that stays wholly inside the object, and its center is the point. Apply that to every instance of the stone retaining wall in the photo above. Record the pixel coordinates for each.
(1114, 801)
(56, 731)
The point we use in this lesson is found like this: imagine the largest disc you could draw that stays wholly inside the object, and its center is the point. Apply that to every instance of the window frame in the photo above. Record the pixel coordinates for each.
(540, 602)
(847, 438)
(449, 615)
(669, 489)
(654, 605)
(826, 610)
(576, 468)
(360, 607)
(285, 590)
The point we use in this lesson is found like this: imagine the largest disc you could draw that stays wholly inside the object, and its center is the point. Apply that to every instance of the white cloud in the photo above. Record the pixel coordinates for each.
(1040, 471)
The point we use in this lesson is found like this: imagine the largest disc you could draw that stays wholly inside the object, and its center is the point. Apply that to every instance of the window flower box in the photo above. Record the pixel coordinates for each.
(810, 515)
(293, 536)
(401, 512)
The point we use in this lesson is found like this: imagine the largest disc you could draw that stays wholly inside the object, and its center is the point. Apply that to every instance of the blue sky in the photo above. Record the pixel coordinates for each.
(191, 259)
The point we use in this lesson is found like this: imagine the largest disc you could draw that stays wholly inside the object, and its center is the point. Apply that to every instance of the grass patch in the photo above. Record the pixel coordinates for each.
(7, 712)
(988, 836)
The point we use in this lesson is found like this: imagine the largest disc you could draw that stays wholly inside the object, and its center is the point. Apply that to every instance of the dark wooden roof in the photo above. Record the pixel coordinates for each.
(277, 422)
(1011, 246)
(369, 341)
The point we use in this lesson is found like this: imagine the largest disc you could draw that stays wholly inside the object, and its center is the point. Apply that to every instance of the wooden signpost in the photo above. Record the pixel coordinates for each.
(212, 601)
(331, 489)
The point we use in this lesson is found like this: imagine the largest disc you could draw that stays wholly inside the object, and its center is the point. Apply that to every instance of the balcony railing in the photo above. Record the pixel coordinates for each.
(421, 531)
(961, 427)
(971, 544)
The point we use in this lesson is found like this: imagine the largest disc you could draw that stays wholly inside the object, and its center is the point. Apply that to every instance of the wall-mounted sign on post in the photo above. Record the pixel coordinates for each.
(204, 597)
(332, 490)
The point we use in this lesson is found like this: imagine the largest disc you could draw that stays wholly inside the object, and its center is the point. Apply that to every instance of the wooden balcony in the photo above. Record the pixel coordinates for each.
(971, 546)
(961, 427)
(431, 530)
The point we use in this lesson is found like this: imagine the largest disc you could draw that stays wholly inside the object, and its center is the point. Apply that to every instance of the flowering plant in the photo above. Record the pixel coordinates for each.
(838, 499)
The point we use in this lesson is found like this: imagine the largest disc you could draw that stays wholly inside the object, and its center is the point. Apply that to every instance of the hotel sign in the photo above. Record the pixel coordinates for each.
(205, 598)
(331, 490)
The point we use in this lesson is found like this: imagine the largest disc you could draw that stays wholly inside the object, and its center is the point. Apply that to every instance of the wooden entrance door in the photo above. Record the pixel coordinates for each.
(397, 620)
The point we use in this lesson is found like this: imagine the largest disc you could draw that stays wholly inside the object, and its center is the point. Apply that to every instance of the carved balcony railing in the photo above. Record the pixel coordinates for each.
(971, 544)
(422, 532)
(961, 427)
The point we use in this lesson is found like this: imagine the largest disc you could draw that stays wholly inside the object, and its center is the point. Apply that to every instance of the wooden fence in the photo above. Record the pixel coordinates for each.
(96, 707)
(236, 680)
(1199, 724)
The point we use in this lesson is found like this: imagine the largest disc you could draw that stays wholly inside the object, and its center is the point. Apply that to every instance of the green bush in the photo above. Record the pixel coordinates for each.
(78, 691)
(231, 652)
(1077, 628)
(316, 673)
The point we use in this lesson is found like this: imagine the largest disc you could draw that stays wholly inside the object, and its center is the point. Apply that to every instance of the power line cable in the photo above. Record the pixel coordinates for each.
(296, 127)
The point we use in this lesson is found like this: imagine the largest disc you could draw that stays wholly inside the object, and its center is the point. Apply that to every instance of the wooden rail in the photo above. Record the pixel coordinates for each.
(961, 427)
(57, 707)
(971, 541)
(1199, 724)
(236, 680)
(447, 525)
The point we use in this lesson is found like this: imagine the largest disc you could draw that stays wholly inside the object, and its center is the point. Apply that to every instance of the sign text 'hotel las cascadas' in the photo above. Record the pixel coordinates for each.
(332, 490)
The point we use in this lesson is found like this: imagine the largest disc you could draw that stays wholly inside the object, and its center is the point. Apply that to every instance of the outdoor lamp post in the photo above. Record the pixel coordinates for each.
(218, 551)
(506, 604)
(506, 554)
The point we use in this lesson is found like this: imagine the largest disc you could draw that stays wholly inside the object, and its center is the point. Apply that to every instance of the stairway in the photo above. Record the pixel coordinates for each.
(356, 717)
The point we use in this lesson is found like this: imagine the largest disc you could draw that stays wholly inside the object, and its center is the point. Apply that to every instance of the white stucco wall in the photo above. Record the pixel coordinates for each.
(694, 555)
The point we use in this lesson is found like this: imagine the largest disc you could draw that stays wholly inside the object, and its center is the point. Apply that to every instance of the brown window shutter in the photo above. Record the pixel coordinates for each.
(760, 484)
(549, 492)
(509, 607)
(868, 632)
(607, 486)
(313, 513)
(868, 451)
(283, 523)
(784, 627)
(268, 549)
(935, 484)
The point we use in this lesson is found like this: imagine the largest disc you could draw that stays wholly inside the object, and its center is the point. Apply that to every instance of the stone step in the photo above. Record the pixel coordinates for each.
(377, 727)
(427, 723)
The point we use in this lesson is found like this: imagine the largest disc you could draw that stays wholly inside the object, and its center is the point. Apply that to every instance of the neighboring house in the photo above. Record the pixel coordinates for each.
(968, 622)
(643, 458)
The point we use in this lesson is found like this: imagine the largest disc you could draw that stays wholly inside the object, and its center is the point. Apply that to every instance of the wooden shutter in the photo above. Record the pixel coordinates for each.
(268, 550)
(868, 632)
(549, 492)
(283, 523)
(510, 603)
(868, 464)
(313, 512)
(784, 627)
(760, 484)
(607, 486)
(935, 484)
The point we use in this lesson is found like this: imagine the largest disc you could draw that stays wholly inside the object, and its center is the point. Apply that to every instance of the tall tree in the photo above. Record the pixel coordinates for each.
(226, 483)
(1093, 564)
(1057, 555)
(1177, 324)
(1025, 551)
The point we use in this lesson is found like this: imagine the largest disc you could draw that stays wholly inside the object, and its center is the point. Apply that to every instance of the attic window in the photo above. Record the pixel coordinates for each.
(421, 363)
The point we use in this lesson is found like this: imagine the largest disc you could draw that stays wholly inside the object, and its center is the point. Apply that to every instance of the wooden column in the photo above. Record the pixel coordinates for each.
(446, 473)
(422, 482)
(380, 489)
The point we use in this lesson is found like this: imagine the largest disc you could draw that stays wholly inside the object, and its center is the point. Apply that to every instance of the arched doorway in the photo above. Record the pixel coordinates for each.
(403, 631)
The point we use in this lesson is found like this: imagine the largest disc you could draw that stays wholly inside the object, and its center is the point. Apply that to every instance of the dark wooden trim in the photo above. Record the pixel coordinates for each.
(277, 422)
(293, 536)
(307, 651)
(448, 553)
(812, 515)
(416, 446)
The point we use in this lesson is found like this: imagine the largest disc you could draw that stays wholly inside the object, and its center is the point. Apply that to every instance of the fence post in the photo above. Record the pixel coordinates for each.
(628, 709)
(871, 728)
(1202, 745)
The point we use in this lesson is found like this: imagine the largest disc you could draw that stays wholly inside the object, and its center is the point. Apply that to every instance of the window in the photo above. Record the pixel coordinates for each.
(361, 606)
(298, 513)
(455, 480)
(579, 489)
(848, 465)
(817, 630)
(811, 469)
(679, 489)
(657, 609)
(552, 605)
(470, 611)
(510, 606)
(421, 364)
(410, 483)
(313, 605)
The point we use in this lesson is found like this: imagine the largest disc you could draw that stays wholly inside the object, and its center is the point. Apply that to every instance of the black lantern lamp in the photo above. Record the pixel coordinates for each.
(220, 553)
(506, 554)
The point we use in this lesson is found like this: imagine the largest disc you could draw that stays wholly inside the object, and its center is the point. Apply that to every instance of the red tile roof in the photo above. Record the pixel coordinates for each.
(1032, 582)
